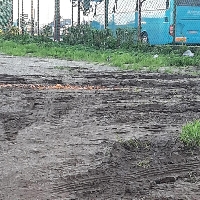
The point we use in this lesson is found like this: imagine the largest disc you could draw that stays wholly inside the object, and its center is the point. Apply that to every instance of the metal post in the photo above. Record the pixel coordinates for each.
(79, 12)
(38, 17)
(22, 25)
(32, 19)
(57, 21)
(174, 23)
(106, 14)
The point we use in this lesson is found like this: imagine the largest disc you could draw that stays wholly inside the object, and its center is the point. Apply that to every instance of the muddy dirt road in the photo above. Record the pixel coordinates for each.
(73, 130)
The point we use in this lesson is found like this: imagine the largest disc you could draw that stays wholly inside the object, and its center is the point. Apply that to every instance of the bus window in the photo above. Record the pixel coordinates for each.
(188, 3)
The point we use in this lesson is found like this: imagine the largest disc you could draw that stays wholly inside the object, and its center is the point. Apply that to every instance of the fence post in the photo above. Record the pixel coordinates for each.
(139, 19)
(174, 22)
(106, 13)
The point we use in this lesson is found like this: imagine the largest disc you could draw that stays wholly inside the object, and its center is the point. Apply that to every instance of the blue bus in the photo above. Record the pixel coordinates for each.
(162, 21)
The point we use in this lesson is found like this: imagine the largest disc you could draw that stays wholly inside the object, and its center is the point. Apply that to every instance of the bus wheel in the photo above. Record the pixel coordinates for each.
(144, 38)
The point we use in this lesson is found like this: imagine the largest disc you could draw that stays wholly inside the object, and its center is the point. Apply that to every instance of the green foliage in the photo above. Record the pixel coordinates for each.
(190, 134)
(118, 49)
(47, 30)
(183, 61)
(25, 39)
(100, 39)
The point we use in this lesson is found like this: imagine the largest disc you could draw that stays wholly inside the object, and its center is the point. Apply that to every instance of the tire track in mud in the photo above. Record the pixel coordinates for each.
(85, 184)
(129, 105)
(124, 173)
(28, 107)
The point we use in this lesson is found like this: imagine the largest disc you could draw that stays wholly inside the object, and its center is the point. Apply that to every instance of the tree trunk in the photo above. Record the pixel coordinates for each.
(79, 12)
(57, 21)
(23, 23)
(18, 20)
(38, 17)
(32, 19)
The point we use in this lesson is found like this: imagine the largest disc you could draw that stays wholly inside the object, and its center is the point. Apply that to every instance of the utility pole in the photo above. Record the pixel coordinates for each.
(22, 25)
(57, 21)
(38, 17)
(32, 19)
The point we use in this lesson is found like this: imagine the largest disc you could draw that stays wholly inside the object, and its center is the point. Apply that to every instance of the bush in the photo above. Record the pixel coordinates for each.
(100, 39)
(190, 134)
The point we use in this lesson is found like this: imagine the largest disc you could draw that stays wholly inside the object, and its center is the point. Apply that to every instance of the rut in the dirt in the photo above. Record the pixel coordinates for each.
(139, 169)
(59, 142)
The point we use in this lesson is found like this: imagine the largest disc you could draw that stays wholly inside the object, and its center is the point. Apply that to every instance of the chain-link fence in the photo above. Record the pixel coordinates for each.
(150, 21)
(120, 13)
(155, 21)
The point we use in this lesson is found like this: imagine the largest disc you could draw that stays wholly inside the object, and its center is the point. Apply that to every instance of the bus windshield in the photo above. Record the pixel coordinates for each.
(188, 2)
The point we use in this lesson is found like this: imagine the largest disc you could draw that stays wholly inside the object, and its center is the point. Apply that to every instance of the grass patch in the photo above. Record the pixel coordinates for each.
(133, 57)
(190, 134)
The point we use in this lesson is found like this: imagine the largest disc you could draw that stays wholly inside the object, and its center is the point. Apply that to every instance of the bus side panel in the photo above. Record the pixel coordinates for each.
(157, 27)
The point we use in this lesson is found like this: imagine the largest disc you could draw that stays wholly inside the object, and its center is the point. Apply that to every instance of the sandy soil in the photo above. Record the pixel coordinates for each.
(74, 130)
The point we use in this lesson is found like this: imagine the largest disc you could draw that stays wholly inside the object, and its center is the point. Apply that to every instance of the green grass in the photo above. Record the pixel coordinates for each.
(190, 134)
(137, 58)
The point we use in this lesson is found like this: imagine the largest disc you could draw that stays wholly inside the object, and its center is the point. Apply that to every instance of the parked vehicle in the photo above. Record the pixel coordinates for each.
(162, 21)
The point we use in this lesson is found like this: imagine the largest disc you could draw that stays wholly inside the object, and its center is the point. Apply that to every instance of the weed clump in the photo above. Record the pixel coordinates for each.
(135, 144)
(190, 134)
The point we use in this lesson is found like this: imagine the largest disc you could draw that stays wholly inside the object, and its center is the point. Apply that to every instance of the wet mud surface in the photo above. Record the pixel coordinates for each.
(73, 130)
